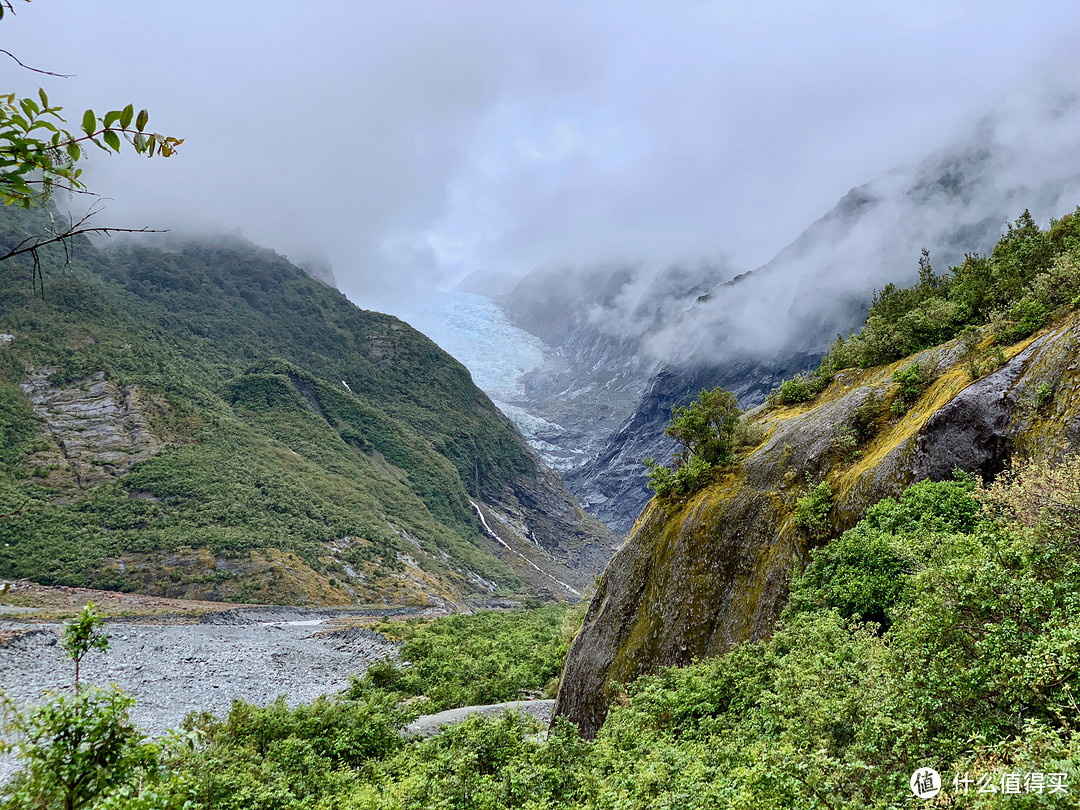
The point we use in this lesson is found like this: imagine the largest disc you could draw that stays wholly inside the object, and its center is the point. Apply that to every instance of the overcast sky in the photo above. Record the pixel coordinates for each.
(410, 143)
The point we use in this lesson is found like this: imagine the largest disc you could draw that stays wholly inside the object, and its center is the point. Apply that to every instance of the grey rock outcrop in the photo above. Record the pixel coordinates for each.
(93, 430)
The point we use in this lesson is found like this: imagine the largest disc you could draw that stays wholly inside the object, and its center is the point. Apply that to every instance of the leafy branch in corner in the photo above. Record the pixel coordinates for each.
(38, 154)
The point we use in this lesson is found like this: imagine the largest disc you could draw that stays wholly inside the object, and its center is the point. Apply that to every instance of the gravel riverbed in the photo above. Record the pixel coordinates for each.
(253, 654)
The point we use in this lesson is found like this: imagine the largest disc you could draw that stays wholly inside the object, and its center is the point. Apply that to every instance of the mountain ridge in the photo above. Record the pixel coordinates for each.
(288, 445)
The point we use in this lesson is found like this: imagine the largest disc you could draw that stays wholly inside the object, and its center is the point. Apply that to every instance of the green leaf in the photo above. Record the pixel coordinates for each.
(125, 116)
(141, 121)
(89, 122)
(44, 98)
(111, 118)
(112, 139)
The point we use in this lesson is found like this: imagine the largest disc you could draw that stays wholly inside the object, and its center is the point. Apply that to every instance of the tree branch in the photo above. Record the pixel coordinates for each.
(34, 69)
(33, 244)
(69, 233)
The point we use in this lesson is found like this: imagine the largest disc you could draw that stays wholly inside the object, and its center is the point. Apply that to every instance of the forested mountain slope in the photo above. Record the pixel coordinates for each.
(207, 420)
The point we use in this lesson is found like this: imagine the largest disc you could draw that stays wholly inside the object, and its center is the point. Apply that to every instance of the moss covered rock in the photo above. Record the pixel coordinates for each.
(699, 575)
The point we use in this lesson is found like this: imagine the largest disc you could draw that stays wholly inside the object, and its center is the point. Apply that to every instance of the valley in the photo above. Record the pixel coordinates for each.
(550, 407)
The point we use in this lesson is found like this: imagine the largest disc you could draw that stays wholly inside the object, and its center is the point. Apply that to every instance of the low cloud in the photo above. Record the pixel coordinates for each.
(409, 144)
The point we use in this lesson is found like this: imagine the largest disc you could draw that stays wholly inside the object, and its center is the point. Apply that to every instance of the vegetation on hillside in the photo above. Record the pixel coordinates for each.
(941, 631)
(488, 657)
(1031, 275)
(292, 418)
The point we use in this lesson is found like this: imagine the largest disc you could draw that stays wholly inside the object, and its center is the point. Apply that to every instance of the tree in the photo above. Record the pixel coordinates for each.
(705, 432)
(77, 749)
(39, 154)
(82, 635)
(705, 428)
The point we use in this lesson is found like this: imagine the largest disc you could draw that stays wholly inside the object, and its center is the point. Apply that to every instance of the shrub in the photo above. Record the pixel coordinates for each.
(1018, 321)
(747, 434)
(488, 657)
(860, 574)
(846, 443)
(684, 479)
(812, 511)
(1043, 395)
(76, 750)
(937, 506)
(859, 428)
(705, 432)
(911, 381)
(864, 420)
(800, 388)
(969, 347)
(704, 429)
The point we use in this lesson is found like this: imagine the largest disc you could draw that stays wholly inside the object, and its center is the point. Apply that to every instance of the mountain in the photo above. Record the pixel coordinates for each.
(598, 323)
(755, 329)
(708, 569)
(209, 421)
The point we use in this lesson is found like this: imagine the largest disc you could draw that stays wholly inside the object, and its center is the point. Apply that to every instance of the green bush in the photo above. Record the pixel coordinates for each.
(800, 388)
(812, 511)
(489, 657)
(859, 428)
(911, 381)
(77, 751)
(705, 432)
(684, 479)
(1018, 321)
(861, 574)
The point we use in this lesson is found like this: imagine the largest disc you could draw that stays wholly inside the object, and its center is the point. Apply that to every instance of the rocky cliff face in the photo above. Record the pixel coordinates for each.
(699, 575)
(92, 430)
(611, 485)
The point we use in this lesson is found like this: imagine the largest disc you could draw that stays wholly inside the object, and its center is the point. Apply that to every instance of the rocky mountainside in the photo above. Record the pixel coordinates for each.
(759, 327)
(699, 575)
(208, 421)
(598, 323)
(612, 484)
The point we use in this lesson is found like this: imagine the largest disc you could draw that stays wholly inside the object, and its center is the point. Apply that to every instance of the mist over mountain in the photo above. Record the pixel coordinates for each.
(628, 341)
(751, 331)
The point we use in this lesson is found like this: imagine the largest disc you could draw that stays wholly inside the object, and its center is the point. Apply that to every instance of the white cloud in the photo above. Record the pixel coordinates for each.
(412, 142)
